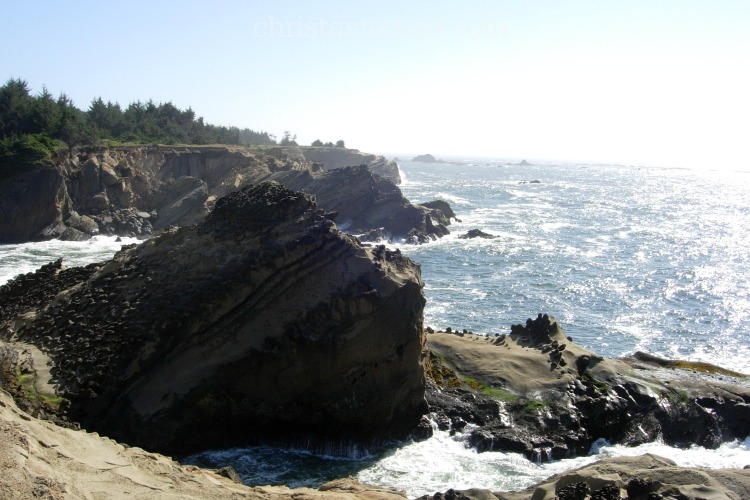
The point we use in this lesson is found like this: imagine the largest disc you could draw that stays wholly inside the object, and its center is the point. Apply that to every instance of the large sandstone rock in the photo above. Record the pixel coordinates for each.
(264, 322)
(177, 186)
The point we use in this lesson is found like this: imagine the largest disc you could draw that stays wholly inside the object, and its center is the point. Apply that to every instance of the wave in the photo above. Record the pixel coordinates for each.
(28, 257)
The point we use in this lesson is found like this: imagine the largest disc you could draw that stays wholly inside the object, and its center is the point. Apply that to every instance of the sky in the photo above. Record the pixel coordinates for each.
(656, 82)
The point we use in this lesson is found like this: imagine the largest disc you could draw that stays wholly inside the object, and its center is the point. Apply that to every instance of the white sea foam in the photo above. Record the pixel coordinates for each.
(28, 257)
(445, 461)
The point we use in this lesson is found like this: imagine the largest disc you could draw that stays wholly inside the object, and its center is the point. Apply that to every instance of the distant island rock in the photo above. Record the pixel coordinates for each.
(426, 159)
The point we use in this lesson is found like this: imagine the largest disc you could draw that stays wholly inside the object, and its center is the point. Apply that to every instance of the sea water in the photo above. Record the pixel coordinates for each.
(626, 258)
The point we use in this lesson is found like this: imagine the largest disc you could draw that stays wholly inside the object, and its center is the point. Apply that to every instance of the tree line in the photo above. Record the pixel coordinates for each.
(32, 127)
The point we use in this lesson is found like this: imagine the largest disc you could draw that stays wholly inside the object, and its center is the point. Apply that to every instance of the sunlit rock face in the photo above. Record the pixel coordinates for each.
(332, 158)
(262, 323)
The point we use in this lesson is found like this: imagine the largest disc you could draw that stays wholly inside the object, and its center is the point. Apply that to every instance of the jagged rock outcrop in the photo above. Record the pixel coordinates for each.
(264, 322)
(365, 201)
(332, 158)
(536, 392)
(138, 191)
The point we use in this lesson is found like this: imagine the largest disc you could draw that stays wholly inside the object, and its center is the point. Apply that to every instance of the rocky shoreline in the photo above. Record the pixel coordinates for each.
(536, 392)
(264, 321)
(139, 191)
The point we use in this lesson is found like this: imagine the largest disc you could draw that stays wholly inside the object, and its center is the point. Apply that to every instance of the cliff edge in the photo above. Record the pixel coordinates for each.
(143, 190)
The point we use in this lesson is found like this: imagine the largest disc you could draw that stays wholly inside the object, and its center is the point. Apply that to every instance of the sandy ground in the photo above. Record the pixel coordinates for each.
(41, 460)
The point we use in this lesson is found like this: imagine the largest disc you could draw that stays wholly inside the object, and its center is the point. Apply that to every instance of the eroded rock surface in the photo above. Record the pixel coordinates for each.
(536, 392)
(264, 322)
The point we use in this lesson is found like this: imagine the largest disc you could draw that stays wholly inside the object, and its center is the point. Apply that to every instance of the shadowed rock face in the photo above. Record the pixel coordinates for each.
(364, 201)
(264, 322)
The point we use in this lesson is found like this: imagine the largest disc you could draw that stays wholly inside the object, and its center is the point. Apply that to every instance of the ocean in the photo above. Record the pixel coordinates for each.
(626, 258)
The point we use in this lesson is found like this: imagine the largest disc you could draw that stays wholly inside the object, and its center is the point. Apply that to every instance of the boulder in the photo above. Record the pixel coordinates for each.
(264, 323)
(441, 205)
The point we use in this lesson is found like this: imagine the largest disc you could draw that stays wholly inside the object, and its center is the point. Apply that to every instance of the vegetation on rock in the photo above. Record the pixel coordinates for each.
(33, 127)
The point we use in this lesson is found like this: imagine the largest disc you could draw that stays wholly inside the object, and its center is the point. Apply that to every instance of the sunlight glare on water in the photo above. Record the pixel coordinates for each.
(626, 258)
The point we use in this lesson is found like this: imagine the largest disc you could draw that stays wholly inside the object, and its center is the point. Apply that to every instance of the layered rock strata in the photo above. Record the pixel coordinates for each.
(264, 322)
(139, 191)
(536, 392)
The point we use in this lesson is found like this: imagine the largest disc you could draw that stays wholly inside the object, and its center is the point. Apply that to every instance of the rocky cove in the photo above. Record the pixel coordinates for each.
(264, 321)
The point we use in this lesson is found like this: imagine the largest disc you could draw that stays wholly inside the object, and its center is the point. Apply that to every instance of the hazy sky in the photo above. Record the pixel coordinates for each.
(647, 82)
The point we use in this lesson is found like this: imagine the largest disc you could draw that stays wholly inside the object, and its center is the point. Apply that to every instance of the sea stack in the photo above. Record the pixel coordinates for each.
(262, 323)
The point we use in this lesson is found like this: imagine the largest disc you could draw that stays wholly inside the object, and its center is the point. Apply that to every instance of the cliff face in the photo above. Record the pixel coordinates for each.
(137, 191)
(262, 322)
(332, 158)
(364, 201)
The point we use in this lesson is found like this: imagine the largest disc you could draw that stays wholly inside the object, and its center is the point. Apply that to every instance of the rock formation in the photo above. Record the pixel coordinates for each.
(333, 158)
(264, 322)
(139, 191)
(426, 158)
(536, 392)
(364, 201)
(476, 233)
